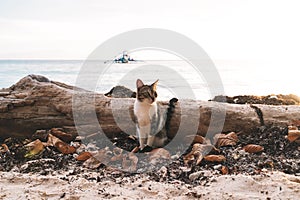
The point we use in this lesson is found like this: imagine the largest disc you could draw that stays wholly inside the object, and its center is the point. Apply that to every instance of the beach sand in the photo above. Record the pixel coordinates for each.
(269, 185)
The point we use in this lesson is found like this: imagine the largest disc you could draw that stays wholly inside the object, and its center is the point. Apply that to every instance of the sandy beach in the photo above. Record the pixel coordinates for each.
(210, 87)
(56, 163)
(270, 185)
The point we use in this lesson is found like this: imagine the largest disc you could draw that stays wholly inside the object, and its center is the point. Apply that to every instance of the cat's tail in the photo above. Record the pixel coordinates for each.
(170, 112)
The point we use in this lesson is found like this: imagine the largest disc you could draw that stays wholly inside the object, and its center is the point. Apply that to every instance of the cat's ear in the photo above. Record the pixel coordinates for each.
(139, 83)
(154, 85)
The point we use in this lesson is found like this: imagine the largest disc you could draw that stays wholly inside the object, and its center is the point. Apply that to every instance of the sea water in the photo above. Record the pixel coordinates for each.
(177, 78)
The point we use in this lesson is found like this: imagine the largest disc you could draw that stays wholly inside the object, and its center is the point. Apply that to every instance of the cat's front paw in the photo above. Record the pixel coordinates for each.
(138, 149)
(146, 149)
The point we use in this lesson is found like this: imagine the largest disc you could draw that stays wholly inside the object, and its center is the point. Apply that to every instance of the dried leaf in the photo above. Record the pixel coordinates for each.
(34, 148)
(233, 136)
(215, 158)
(253, 148)
(4, 148)
(84, 156)
(130, 162)
(92, 163)
(197, 153)
(157, 154)
(188, 159)
(103, 155)
(60, 145)
(117, 151)
(118, 154)
(195, 139)
(293, 135)
(100, 157)
(65, 148)
(57, 132)
(41, 135)
(229, 139)
(224, 170)
(135, 149)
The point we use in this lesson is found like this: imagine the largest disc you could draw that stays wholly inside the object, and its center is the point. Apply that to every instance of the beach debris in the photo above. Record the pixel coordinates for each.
(4, 148)
(37, 163)
(229, 139)
(92, 163)
(41, 135)
(113, 162)
(118, 154)
(105, 157)
(61, 146)
(194, 176)
(102, 156)
(217, 167)
(34, 148)
(163, 171)
(196, 139)
(135, 149)
(197, 153)
(293, 133)
(84, 156)
(253, 148)
(215, 158)
(157, 154)
(58, 132)
(130, 162)
(224, 170)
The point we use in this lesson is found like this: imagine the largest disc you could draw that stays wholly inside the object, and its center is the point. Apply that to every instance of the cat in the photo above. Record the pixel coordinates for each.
(150, 119)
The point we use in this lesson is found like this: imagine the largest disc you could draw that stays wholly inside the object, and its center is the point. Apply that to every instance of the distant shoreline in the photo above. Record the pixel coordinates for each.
(238, 78)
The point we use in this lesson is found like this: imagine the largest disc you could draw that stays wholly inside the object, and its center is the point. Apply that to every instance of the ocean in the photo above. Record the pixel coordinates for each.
(177, 78)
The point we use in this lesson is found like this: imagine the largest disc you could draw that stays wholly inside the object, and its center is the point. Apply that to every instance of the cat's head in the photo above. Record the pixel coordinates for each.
(146, 93)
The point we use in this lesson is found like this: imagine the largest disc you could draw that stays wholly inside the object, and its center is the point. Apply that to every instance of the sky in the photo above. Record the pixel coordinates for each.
(260, 36)
(253, 30)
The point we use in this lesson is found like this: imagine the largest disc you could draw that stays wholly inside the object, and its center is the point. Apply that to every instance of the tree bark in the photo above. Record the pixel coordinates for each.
(36, 103)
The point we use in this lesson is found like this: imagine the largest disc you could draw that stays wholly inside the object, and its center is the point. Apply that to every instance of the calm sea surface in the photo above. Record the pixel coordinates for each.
(176, 78)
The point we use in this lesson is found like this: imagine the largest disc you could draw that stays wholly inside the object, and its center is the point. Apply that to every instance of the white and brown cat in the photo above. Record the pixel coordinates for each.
(150, 121)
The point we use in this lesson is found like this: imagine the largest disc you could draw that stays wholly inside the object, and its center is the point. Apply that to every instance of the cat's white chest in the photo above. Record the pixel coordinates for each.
(145, 110)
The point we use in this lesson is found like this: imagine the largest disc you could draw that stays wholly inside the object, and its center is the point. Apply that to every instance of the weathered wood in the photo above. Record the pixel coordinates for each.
(37, 103)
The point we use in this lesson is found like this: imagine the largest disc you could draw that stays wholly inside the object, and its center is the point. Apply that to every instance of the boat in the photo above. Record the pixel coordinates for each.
(125, 58)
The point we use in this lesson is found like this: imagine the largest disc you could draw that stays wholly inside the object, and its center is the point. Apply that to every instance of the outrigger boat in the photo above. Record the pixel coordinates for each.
(125, 58)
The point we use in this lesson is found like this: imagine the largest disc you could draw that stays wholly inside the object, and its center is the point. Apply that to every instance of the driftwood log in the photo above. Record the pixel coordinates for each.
(36, 103)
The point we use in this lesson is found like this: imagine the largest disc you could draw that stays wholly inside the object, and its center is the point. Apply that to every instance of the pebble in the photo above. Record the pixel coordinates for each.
(217, 167)
(195, 175)
(175, 157)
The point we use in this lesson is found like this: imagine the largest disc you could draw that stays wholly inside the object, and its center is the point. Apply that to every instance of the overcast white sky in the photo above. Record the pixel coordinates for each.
(226, 29)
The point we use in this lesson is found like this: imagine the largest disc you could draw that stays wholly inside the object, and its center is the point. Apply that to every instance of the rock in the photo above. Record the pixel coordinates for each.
(268, 100)
(217, 167)
(194, 176)
(121, 92)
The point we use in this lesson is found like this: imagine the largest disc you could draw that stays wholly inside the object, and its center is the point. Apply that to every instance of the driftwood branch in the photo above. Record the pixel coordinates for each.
(37, 103)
